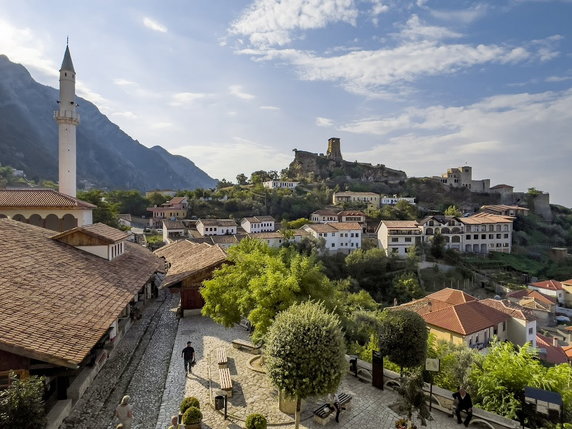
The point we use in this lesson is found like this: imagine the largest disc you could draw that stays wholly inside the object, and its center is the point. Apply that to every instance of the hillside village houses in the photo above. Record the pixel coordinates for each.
(371, 199)
(279, 184)
(337, 236)
(258, 224)
(216, 227)
(560, 291)
(329, 215)
(175, 208)
(480, 233)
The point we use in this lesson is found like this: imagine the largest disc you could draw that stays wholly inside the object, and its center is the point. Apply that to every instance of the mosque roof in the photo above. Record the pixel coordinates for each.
(67, 63)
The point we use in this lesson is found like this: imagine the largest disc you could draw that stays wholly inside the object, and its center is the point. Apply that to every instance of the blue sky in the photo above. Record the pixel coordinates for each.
(235, 85)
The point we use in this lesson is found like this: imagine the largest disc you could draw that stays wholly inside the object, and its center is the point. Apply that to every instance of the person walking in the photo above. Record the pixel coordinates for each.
(188, 355)
(124, 412)
(174, 422)
(463, 403)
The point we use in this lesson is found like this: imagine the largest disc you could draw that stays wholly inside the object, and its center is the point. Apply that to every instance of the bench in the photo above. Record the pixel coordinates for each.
(225, 380)
(486, 418)
(221, 358)
(324, 413)
(247, 345)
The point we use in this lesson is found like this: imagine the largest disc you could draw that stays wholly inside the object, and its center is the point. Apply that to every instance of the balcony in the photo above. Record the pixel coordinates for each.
(66, 115)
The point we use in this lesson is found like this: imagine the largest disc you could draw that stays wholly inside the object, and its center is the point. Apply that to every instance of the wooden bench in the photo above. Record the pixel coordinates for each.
(225, 380)
(247, 345)
(221, 358)
(323, 414)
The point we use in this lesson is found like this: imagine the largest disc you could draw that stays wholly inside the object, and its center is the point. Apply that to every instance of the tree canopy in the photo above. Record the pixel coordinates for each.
(403, 338)
(305, 351)
(259, 281)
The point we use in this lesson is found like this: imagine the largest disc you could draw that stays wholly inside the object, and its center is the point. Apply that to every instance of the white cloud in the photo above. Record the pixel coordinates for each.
(186, 98)
(379, 72)
(124, 82)
(414, 29)
(237, 91)
(324, 122)
(463, 15)
(269, 107)
(558, 78)
(154, 25)
(161, 125)
(252, 156)
(128, 115)
(273, 22)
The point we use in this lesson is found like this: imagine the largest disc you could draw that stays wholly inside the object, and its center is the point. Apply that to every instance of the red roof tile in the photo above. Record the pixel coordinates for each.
(554, 354)
(40, 198)
(548, 285)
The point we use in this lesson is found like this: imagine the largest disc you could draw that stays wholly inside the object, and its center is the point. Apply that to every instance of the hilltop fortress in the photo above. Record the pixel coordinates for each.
(332, 164)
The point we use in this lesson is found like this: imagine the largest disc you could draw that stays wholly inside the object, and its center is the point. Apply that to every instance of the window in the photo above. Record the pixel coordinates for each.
(498, 236)
(408, 239)
(468, 236)
(505, 235)
(476, 236)
(394, 239)
(483, 236)
(529, 331)
(491, 236)
(504, 326)
(333, 244)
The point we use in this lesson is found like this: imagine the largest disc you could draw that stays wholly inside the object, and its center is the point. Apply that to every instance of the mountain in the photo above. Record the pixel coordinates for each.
(106, 156)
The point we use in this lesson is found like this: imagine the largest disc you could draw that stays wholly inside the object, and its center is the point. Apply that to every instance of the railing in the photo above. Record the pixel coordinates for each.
(66, 114)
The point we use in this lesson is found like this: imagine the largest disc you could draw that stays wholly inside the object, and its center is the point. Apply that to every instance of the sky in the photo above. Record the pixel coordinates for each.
(235, 85)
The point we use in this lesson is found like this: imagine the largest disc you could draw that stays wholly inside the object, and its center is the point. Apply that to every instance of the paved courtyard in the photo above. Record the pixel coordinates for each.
(253, 392)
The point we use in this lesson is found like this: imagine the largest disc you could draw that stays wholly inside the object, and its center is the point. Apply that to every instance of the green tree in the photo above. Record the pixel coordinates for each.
(368, 268)
(438, 246)
(259, 281)
(105, 212)
(156, 199)
(405, 210)
(241, 179)
(403, 338)
(413, 398)
(259, 176)
(453, 211)
(406, 287)
(456, 362)
(22, 404)
(305, 352)
(132, 202)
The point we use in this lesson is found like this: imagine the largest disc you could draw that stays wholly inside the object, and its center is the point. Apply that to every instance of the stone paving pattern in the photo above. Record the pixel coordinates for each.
(147, 365)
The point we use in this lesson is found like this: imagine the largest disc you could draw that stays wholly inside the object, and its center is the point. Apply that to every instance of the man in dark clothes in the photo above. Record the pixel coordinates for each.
(463, 402)
(188, 354)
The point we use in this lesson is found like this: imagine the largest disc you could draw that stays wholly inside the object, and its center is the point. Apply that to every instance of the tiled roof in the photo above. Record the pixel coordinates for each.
(58, 301)
(98, 230)
(173, 224)
(568, 351)
(224, 239)
(534, 294)
(346, 226)
(40, 198)
(176, 200)
(301, 232)
(320, 227)
(217, 222)
(502, 207)
(442, 219)
(466, 318)
(548, 285)
(507, 307)
(356, 194)
(351, 213)
(451, 296)
(187, 258)
(400, 224)
(501, 186)
(255, 219)
(485, 218)
(266, 235)
(325, 212)
(554, 354)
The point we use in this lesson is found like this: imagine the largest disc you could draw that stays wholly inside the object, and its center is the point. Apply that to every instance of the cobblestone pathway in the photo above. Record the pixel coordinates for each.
(138, 367)
(252, 391)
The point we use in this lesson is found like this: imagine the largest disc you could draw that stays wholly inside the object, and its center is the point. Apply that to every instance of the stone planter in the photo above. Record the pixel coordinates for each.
(287, 404)
(193, 426)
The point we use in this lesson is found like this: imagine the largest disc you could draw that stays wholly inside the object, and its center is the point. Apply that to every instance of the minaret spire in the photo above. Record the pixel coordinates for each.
(67, 119)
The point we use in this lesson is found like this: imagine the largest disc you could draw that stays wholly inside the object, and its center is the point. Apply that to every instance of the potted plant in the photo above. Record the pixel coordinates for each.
(192, 418)
(186, 403)
(256, 421)
(404, 424)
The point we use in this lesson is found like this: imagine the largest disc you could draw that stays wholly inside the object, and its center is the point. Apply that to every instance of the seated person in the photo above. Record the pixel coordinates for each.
(463, 403)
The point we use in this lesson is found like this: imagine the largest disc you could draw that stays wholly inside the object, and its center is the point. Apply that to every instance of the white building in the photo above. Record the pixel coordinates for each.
(257, 224)
(279, 184)
(216, 227)
(391, 201)
(486, 233)
(450, 228)
(550, 288)
(339, 236)
(371, 199)
(397, 237)
(324, 216)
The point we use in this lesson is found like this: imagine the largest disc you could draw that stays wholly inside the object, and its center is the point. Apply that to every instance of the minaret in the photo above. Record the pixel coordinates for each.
(67, 119)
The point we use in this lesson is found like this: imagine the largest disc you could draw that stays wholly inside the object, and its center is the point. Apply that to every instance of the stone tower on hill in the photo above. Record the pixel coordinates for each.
(334, 152)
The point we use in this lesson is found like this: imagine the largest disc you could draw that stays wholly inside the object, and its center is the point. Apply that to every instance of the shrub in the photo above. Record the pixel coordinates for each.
(188, 402)
(192, 416)
(256, 421)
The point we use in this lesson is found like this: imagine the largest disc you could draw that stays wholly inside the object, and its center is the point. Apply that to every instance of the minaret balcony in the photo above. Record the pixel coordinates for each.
(66, 116)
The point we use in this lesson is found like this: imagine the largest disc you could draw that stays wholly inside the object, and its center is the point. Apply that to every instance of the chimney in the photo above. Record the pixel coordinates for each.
(555, 342)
